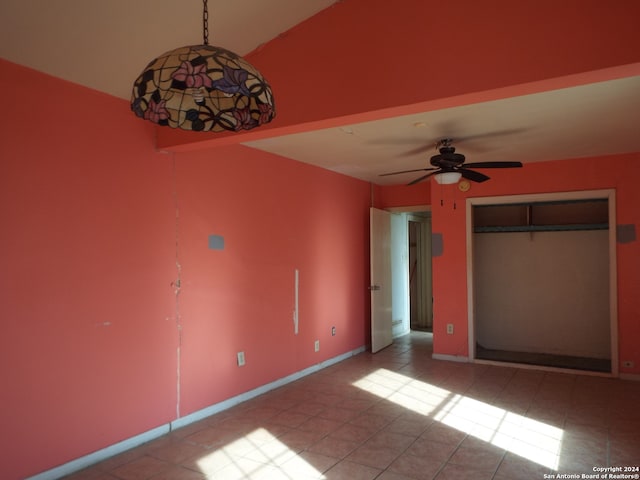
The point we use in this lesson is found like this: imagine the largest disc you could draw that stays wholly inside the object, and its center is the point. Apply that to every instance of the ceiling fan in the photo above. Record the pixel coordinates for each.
(449, 167)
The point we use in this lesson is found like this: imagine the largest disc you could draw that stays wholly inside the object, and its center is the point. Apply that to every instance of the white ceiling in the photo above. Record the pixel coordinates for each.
(105, 45)
(584, 121)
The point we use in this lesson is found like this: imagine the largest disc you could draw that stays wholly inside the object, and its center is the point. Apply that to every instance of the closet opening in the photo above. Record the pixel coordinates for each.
(542, 280)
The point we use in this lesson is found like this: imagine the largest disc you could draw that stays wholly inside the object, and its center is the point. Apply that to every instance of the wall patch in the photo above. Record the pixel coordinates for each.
(437, 245)
(216, 242)
(626, 233)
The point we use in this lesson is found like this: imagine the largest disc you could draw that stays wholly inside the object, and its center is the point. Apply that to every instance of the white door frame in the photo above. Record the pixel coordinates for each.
(409, 210)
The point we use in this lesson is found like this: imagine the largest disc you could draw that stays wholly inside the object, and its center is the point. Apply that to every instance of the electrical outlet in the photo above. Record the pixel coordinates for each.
(449, 328)
(628, 364)
(333, 331)
(317, 346)
(241, 361)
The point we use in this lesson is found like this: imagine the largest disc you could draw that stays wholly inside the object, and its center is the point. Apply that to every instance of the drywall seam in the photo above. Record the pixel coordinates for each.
(296, 287)
(177, 286)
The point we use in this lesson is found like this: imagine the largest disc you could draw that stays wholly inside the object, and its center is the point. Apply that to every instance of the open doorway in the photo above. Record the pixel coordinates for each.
(411, 271)
(420, 294)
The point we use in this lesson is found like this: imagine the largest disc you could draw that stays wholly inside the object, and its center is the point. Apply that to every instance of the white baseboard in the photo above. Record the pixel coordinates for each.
(543, 368)
(95, 457)
(243, 397)
(629, 376)
(401, 333)
(450, 358)
(120, 447)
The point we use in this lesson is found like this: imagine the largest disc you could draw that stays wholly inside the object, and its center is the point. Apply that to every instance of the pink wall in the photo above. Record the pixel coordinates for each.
(287, 216)
(89, 222)
(362, 59)
(87, 247)
(93, 222)
(449, 270)
(389, 196)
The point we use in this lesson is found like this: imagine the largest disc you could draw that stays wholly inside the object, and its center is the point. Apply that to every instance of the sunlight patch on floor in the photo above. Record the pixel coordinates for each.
(531, 439)
(526, 437)
(257, 455)
(412, 394)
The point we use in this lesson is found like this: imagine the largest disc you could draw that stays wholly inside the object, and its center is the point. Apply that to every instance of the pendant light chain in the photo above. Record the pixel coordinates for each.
(205, 23)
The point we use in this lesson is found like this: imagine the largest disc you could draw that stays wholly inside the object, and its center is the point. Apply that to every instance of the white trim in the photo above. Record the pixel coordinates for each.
(450, 358)
(471, 333)
(610, 195)
(120, 447)
(95, 457)
(243, 397)
(544, 368)
(544, 197)
(409, 209)
(613, 281)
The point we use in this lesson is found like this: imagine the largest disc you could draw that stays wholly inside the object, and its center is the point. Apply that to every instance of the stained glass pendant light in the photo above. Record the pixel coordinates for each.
(203, 88)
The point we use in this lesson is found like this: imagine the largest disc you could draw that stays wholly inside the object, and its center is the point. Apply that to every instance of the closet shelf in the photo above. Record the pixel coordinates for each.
(541, 228)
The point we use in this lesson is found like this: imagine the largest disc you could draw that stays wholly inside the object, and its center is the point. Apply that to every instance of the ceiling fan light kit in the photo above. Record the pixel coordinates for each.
(447, 178)
(203, 88)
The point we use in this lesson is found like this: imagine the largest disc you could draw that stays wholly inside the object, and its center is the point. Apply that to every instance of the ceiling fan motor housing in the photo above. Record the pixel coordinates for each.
(447, 158)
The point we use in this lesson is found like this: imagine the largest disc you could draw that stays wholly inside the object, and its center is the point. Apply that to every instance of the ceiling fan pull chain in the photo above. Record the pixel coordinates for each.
(454, 199)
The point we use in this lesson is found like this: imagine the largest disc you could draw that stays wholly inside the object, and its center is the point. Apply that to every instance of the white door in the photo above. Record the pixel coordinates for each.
(380, 243)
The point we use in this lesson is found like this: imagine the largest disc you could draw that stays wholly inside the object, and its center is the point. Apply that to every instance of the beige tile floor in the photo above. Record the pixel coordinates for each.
(400, 415)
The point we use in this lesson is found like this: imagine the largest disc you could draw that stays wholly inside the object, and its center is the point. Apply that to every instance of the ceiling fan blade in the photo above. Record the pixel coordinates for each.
(419, 179)
(407, 171)
(450, 128)
(493, 133)
(473, 175)
(492, 165)
(419, 150)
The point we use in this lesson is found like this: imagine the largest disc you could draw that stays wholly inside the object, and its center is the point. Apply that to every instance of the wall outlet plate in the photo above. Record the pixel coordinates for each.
(450, 328)
(333, 331)
(241, 360)
(316, 346)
